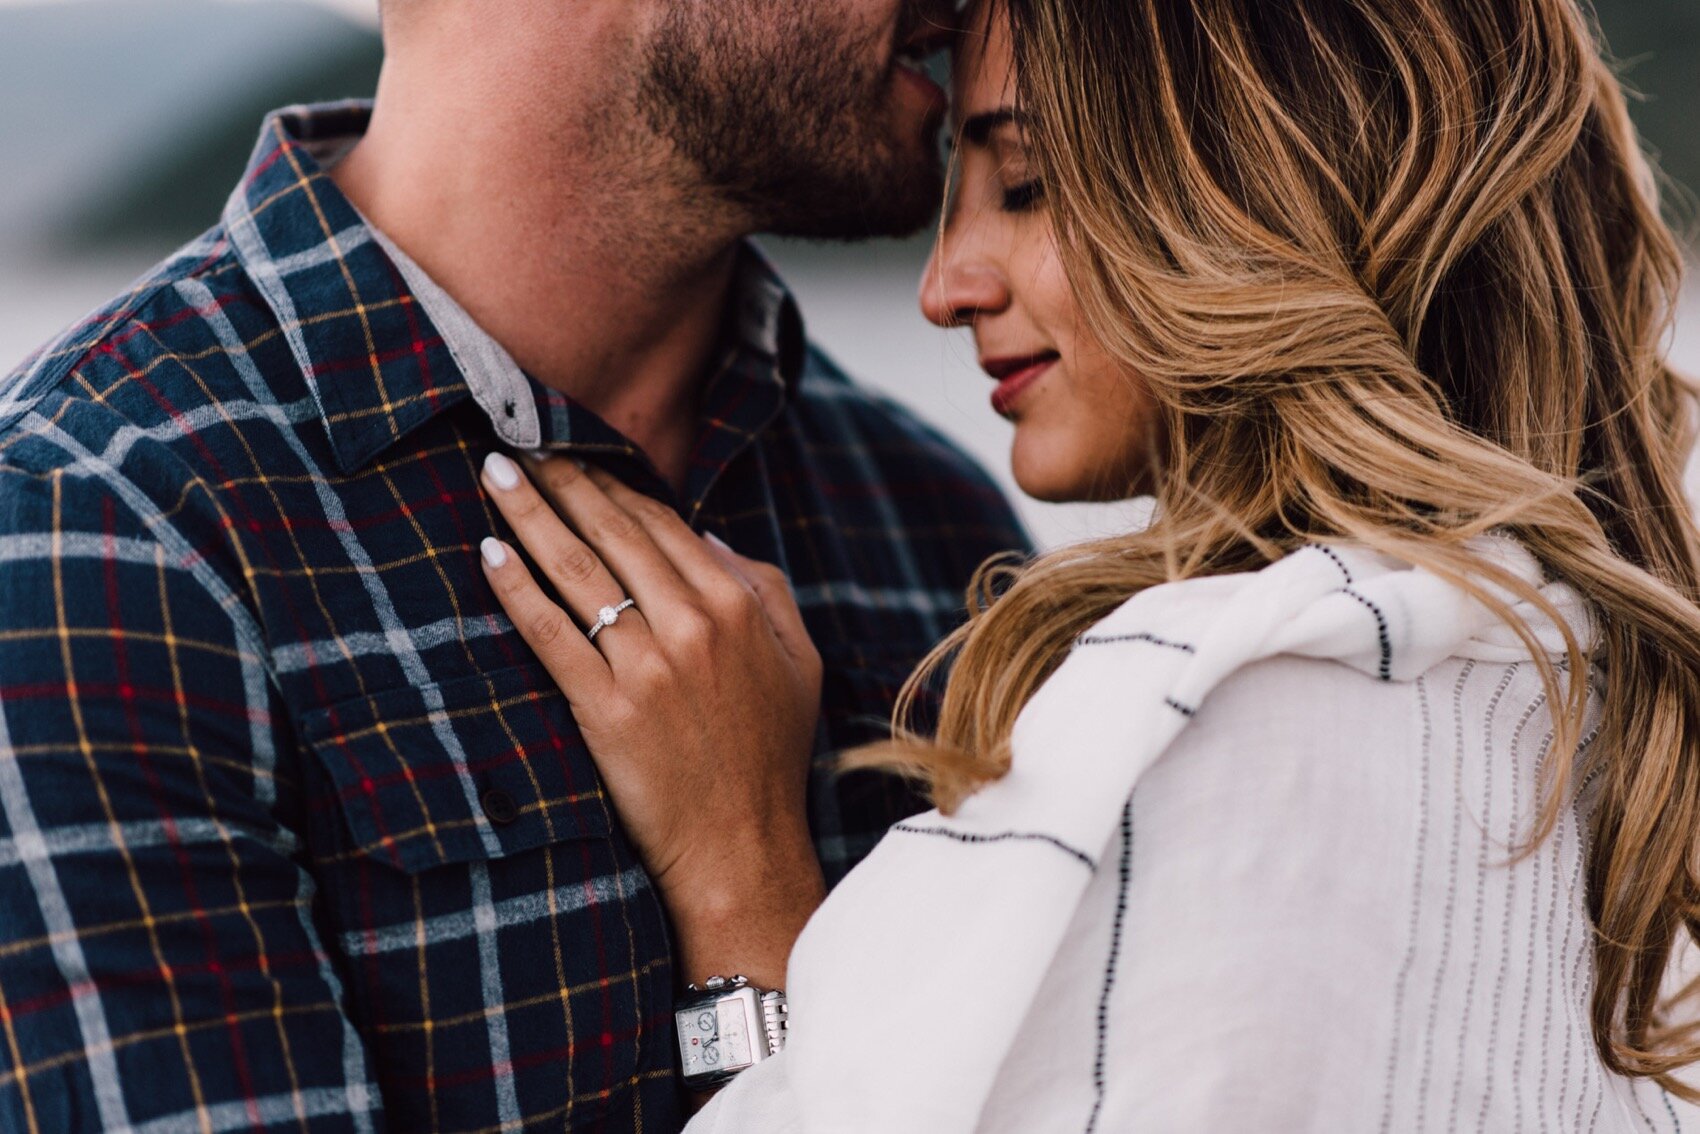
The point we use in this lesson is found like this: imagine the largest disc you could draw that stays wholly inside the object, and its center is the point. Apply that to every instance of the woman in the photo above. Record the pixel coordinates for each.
(1361, 790)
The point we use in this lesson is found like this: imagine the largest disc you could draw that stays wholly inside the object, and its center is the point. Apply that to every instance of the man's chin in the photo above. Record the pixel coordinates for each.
(893, 209)
(896, 200)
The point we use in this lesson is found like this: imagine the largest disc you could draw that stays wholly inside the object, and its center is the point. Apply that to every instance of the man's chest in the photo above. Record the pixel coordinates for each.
(499, 939)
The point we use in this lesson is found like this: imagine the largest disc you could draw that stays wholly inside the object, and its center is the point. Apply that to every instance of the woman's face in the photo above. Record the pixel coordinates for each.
(1082, 423)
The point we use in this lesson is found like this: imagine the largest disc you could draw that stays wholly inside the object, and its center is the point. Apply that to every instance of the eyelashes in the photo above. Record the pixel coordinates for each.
(1023, 198)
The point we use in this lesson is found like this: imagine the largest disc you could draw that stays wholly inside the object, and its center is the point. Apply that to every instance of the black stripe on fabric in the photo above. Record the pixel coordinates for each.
(1583, 953)
(1410, 960)
(1478, 940)
(1079, 856)
(1541, 755)
(1182, 709)
(1385, 671)
(1338, 562)
(1437, 986)
(1125, 871)
(1150, 639)
(1506, 965)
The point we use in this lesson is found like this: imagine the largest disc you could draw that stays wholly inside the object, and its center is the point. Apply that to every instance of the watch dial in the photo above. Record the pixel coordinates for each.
(718, 1038)
(734, 1040)
(699, 1041)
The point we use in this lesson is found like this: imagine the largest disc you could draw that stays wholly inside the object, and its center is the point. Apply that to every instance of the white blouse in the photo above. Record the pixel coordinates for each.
(1254, 868)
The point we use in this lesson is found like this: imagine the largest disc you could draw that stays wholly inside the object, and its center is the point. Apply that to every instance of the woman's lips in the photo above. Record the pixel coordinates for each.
(1015, 377)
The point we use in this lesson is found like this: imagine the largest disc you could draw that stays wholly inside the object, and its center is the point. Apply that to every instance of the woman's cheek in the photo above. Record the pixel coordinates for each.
(1052, 455)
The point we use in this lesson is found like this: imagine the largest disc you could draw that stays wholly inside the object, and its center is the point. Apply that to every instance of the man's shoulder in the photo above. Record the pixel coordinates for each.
(133, 359)
(149, 395)
(840, 411)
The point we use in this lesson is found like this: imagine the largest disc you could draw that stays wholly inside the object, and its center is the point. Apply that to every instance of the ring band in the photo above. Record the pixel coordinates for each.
(606, 617)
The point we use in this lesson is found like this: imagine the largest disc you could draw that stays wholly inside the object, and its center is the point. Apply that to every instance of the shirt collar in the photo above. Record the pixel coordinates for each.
(384, 349)
(375, 361)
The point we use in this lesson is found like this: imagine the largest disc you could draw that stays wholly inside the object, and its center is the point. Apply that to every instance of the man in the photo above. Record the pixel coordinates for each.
(294, 831)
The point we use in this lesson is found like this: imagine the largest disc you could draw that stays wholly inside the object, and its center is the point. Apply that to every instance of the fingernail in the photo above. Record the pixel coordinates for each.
(495, 554)
(538, 455)
(717, 542)
(503, 473)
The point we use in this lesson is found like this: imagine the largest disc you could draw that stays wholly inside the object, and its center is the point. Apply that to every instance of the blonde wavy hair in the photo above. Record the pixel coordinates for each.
(1395, 273)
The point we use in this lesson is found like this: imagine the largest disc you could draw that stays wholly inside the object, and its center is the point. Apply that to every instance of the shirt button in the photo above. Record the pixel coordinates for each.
(499, 807)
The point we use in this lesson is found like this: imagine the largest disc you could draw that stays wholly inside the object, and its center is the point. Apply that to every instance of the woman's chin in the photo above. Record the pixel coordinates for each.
(1051, 477)
(1050, 485)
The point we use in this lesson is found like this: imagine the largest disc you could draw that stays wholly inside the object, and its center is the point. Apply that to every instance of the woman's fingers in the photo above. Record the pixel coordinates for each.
(778, 602)
(713, 568)
(617, 537)
(576, 571)
(695, 564)
(576, 666)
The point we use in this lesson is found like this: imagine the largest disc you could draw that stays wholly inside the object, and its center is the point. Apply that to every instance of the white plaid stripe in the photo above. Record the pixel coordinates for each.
(281, 1110)
(62, 930)
(490, 982)
(506, 914)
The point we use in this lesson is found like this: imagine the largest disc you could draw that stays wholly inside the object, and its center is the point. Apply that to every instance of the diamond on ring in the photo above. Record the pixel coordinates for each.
(606, 617)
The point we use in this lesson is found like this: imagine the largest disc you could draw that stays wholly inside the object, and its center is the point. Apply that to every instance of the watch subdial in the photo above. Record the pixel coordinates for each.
(711, 1053)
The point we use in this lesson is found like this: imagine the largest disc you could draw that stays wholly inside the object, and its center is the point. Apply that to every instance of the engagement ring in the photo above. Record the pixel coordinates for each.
(606, 617)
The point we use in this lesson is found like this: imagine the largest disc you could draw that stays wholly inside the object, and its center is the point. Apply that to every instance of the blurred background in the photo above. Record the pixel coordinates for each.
(124, 124)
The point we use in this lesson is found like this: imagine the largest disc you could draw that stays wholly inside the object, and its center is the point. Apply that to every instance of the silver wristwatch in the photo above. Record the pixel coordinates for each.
(727, 1026)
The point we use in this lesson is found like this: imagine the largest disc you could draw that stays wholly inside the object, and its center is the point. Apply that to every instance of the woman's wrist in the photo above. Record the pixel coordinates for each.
(743, 914)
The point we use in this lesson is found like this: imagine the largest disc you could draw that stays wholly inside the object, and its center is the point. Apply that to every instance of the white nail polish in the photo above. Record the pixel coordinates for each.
(503, 472)
(717, 542)
(493, 551)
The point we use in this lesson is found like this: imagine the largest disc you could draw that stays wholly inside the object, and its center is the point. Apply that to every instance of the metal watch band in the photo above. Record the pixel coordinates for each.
(776, 1014)
(775, 1007)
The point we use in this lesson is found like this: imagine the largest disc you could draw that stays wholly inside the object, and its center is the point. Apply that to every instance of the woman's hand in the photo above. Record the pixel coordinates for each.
(698, 705)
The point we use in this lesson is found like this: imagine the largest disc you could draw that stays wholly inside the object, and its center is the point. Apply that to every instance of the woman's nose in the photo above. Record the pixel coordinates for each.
(957, 288)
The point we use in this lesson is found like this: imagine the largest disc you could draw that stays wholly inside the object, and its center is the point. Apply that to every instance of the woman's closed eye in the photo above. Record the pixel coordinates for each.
(1023, 198)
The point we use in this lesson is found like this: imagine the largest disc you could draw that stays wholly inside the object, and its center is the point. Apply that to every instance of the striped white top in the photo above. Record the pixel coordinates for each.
(1256, 867)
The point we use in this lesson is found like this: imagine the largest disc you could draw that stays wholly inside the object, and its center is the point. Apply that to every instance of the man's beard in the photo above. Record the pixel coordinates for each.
(790, 118)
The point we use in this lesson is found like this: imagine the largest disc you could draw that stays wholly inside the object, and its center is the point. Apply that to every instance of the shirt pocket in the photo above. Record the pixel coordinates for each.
(472, 768)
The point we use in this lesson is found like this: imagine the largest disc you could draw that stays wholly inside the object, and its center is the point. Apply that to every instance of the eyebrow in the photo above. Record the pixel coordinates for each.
(977, 131)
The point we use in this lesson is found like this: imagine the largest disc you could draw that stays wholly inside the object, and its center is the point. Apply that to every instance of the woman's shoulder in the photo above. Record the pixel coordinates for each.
(1298, 724)
(1289, 743)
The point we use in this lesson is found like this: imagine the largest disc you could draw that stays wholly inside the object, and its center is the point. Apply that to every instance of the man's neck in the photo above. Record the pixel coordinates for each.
(599, 278)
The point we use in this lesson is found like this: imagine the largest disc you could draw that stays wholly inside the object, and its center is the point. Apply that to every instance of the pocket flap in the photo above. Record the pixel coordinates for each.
(452, 772)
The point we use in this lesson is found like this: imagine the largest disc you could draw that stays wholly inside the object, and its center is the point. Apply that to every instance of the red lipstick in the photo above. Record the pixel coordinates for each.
(1015, 376)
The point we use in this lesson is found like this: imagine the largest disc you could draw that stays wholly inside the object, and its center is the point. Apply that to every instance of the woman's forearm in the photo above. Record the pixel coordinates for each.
(742, 916)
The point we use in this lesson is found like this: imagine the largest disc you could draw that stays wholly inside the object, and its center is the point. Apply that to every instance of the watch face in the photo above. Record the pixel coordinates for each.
(699, 1041)
(715, 1039)
(735, 1034)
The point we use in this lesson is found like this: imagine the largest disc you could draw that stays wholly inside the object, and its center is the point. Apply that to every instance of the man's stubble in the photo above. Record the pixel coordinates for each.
(789, 117)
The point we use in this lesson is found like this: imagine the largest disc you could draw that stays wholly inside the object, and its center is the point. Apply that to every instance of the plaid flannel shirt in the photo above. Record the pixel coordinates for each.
(294, 831)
